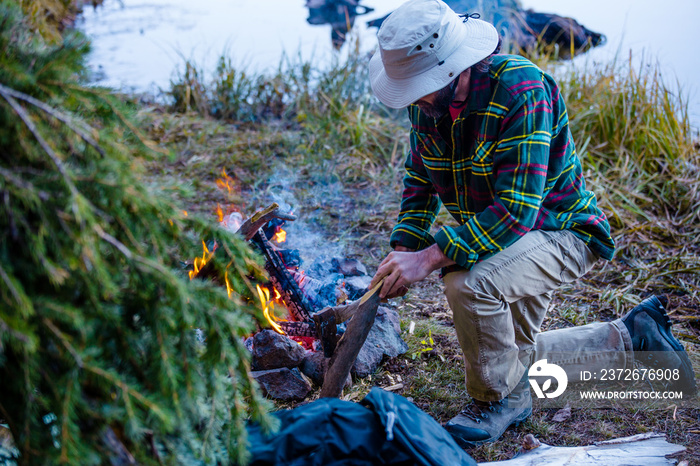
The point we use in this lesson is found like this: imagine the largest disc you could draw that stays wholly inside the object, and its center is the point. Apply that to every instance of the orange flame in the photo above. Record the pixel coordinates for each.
(229, 288)
(200, 262)
(219, 213)
(268, 308)
(226, 182)
(281, 236)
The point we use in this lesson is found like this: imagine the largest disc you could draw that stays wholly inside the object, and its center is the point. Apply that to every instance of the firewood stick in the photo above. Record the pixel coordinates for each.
(350, 343)
(345, 312)
(260, 218)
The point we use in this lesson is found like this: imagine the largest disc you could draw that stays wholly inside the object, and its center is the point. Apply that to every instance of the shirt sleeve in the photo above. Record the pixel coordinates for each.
(520, 164)
(419, 204)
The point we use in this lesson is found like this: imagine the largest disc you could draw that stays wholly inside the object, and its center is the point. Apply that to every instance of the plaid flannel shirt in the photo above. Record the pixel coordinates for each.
(506, 165)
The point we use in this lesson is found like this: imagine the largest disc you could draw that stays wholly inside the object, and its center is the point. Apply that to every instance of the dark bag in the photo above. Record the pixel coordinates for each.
(384, 429)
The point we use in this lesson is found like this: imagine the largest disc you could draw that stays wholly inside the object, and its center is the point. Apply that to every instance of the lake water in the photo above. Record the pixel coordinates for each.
(137, 44)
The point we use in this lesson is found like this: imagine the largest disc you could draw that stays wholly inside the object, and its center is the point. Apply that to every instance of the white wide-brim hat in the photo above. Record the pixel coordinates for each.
(423, 46)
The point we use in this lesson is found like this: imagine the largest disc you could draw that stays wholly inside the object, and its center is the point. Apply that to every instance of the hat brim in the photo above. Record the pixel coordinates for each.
(398, 93)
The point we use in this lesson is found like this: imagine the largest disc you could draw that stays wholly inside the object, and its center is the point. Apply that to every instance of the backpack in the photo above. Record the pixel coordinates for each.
(383, 429)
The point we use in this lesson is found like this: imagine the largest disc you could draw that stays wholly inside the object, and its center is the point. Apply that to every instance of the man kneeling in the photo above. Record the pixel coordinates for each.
(490, 140)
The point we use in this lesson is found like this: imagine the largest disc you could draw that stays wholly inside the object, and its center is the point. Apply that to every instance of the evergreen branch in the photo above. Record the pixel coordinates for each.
(169, 371)
(210, 426)
(113, 241)
(10, 216)
(21, 298)
(237, 429)
(64, 341)
(24, 116)
(28, 402)
(244, 276)
(165, 272)
(134, 243)
(19, 336)
(80, 209)
(143, 139)
(22, 184)
(82, 132)
(126, 389)
(57, 275)
(64, 419)
(142, 260)
(154, 449)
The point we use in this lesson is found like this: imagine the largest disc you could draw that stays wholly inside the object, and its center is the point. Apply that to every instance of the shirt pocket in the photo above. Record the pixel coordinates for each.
(432, 146)
(482, 159)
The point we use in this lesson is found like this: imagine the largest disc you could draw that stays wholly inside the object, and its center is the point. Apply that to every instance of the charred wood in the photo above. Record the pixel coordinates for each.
(298, 329)
(282, 279)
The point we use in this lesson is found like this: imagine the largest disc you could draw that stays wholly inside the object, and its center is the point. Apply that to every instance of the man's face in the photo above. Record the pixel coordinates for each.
(438, 103)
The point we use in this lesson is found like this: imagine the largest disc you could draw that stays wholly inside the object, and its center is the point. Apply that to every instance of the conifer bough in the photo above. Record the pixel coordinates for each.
(108, 352)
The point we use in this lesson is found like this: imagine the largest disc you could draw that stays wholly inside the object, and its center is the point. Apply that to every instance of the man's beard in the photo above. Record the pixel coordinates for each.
(442, 101)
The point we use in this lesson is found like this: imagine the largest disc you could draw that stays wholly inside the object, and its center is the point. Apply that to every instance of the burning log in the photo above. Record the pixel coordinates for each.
(251, 226)
(282, 279)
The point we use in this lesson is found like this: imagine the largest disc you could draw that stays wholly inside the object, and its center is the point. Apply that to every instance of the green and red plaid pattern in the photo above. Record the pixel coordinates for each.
(506, 165)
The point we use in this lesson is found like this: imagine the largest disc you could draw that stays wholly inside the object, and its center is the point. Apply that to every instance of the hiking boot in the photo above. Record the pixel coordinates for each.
(482, 422)
(655, 346)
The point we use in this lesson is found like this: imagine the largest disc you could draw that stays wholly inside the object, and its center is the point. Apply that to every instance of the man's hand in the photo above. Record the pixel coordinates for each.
(404, 267)
(403, 289)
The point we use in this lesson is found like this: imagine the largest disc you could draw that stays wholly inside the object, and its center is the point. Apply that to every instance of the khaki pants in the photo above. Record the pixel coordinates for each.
(499, 305)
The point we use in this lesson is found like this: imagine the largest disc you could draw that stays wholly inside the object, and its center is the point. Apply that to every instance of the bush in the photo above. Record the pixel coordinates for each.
(107, 349)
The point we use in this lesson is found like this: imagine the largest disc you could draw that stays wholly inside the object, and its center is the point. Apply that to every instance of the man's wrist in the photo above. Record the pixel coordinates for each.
(436, 258)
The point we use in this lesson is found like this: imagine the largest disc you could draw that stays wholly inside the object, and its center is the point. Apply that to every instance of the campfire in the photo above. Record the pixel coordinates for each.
(316, 334)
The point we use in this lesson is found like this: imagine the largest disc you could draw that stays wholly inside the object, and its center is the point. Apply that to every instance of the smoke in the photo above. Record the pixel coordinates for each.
(316, 248)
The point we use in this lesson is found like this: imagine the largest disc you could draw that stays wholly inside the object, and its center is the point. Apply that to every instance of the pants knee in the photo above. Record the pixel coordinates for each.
(460, 286)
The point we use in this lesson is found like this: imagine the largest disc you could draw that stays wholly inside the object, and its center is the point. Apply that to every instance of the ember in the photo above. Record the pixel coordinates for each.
(281, 236)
